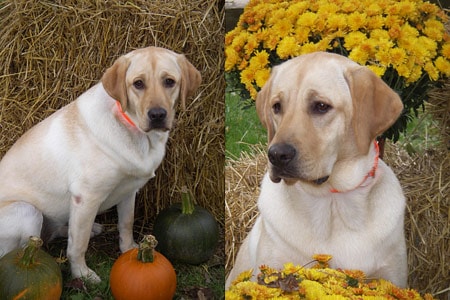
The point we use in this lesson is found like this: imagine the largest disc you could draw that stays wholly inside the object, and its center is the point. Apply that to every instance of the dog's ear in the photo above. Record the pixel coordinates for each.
(190, 79)
(263, 109)
(375, 106)
(114, 82)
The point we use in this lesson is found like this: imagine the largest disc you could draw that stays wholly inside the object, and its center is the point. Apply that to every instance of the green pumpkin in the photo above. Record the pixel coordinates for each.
(186, 232)
(30, 273)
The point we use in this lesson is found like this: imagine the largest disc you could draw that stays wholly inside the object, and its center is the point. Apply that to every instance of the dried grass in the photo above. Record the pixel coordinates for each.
(52, 51)
(425, 179)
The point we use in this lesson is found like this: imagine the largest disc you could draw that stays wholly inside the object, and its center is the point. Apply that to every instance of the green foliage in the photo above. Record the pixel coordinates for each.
(242, 126)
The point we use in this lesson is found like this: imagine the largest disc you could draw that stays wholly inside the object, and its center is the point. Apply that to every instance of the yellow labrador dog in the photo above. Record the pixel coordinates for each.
(93, 154)
(326, 192)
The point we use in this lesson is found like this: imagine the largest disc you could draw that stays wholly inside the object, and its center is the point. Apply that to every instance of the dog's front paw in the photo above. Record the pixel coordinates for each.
(87, 275)
(128, 246)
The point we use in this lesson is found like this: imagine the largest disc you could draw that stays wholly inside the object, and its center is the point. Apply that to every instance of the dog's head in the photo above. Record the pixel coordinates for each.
(148, 82)
(321, 109)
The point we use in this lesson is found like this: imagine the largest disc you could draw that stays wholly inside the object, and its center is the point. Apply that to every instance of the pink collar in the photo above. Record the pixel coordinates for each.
(124, 118)
(371, 173)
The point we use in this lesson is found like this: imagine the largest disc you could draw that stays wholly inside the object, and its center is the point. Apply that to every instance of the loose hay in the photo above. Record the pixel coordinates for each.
(52, 51)
(426, 182)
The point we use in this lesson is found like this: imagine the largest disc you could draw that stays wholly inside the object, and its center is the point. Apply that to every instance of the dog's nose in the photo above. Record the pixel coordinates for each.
(157, 114)
(281, 154)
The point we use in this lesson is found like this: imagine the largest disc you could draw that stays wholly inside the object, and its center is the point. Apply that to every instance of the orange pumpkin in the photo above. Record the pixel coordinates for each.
(143, 273)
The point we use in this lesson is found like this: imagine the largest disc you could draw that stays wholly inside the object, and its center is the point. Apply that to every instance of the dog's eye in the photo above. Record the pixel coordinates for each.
(276, 108)
(320, 108)
(169, 82)
(139, 84)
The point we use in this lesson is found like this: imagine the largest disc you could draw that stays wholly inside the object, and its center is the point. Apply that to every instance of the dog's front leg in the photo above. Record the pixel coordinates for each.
(125, 210)
(82, 216)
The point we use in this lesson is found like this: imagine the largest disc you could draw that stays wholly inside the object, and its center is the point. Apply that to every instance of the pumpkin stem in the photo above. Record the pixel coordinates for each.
(27, 255)
(146, 248)
(187, 205)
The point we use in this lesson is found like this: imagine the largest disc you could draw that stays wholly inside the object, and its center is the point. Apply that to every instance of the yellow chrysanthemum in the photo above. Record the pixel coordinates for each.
(445, 51)
(350, 6)
(358, 55)
(251, 290)
(407, 9)
(434, 29)
(261, 77)
(357, 21)
(337, 21)
(416, 72)
(354, 39)
(260, 60)
(231, 59)
(443, 65)
(383, 57)
(288, 47)
(373, 10)
(377, 69)
(308, 19)
(398, 56)
(314, 290)
(251, 45)
(301, 34)
(308, 48)
(432, 71)
(244, 276)
(375, 22)
(247, 76)
(283, 27)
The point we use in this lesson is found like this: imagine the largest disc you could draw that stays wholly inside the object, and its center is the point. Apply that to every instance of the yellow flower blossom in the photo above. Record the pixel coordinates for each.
(398, 56)
(357, 20)
(337, 21)
(260, 60)
(354, 39)
(443, 65)
(434, 29)
(378, 70)
(445, 51)
(231, 59)
(359, 55)
(288, 47)
(261, 77)
(283, 27)
(432, 71)
(308, 19)
(374, 10)
(375, 22)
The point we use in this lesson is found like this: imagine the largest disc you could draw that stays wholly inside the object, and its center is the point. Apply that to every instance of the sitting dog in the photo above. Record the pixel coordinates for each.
(326, 191)
(93, 154)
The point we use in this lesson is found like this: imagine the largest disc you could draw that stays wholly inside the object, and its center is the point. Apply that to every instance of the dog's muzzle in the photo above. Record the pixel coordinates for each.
(282, 157)
(157, 118)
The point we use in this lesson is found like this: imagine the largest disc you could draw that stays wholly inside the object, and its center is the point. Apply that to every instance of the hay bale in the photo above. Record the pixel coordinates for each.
(52, 51)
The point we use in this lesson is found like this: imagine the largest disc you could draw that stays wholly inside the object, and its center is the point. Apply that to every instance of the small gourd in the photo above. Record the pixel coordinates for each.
(30, 273)
(186, 232)
(143, 273)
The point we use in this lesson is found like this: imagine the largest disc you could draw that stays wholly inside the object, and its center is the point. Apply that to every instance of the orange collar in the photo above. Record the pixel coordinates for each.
(123, 116)
(371, 173)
